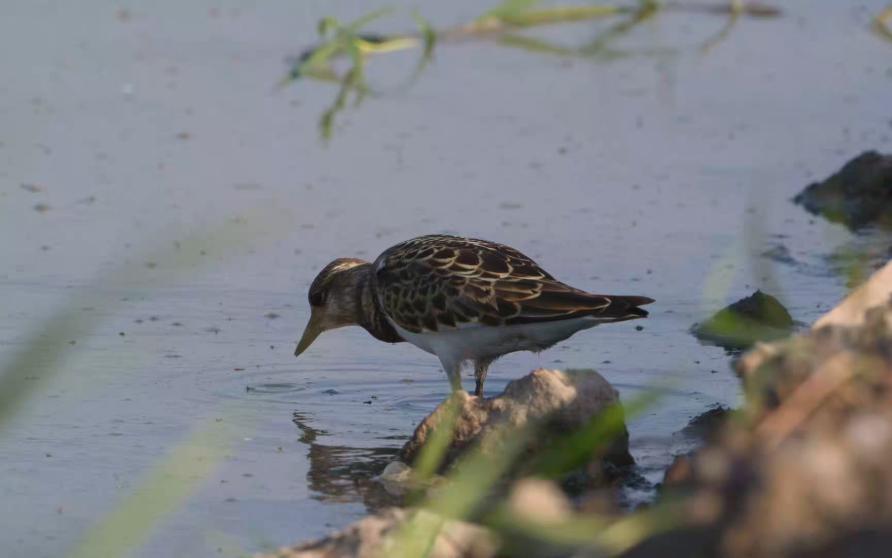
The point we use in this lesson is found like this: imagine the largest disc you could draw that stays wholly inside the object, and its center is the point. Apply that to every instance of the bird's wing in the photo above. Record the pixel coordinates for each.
(435, 282)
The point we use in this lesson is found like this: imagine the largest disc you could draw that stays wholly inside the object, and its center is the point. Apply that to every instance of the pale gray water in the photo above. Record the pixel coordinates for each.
(629, 176)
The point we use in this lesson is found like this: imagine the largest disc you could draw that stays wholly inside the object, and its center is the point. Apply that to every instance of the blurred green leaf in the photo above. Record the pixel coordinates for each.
(163, 491)
(599, 45)
(428, 33)
(434, 451)
(882, 22)
(577, 448)
(509, 8)
(562, 14)
(467, 485)
(327, 25)
(735, 10)
(41, 358)
(358, 24)
(41, 353)
(588, 531)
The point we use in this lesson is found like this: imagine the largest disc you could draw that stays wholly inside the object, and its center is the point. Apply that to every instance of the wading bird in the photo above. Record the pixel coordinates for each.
(461, 299)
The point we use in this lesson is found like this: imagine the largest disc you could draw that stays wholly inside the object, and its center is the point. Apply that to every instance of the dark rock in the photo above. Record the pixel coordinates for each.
(705, 425)
(858, 195)
(759, 317)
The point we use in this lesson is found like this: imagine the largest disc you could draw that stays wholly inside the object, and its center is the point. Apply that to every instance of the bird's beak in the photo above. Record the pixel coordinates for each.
(311, 332)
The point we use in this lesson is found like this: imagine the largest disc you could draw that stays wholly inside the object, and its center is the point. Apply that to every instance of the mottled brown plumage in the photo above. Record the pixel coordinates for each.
(459, 298)
(437, 281)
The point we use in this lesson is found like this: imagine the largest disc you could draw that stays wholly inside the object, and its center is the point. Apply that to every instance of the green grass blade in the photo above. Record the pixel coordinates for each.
(42, 352)
(510, 8)
(561, 14)
(358, 24)
(434, 451)
(169, 483)
(577, 448)
(428, 34)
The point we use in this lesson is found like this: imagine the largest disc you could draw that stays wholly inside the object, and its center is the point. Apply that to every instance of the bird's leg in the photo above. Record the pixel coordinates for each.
(453, 372)
(481, 367)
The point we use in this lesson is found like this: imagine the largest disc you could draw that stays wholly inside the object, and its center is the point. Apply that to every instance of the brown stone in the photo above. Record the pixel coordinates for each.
(555, 401)
(375, 535)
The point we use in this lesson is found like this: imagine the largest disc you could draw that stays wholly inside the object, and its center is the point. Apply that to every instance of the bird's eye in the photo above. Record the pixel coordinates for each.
(317, 298)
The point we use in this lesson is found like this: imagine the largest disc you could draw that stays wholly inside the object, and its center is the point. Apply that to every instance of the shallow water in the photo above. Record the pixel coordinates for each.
(667, 174)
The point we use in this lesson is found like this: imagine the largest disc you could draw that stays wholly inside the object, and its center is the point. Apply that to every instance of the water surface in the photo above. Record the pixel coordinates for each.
(142, 125)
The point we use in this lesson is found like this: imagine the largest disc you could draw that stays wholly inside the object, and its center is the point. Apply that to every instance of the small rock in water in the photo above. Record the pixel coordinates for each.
(858, 195)
(561, 401)
(758, 317)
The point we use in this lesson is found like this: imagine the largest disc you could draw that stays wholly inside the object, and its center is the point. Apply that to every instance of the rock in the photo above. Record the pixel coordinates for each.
(399, 481)
(534, 502)
(539, 501)
(557, 402)
(680, 471)
(373, 536)
(807, 470)
(705, 425)
(759, 317)
(858, 195)
(851, 312)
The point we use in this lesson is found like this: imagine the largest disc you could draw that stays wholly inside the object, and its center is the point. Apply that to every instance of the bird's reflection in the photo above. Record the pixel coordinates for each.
(345, 474)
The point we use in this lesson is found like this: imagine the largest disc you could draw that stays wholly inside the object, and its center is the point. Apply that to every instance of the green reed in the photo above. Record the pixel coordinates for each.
(44, 353)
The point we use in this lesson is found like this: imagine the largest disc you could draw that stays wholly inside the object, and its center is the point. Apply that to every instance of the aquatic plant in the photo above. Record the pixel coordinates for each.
(503, 23)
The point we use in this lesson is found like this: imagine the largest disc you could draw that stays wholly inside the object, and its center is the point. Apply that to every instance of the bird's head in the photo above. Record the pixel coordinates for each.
(334, 300)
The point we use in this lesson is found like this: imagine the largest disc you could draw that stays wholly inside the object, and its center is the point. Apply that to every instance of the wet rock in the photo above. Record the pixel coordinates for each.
(758, 317)
(851, 312)
(372, 536)
(706, 425)
(539, 501)
(858, 195)
(807, 472)
(553, 401)
(534, 502)
(704, 428)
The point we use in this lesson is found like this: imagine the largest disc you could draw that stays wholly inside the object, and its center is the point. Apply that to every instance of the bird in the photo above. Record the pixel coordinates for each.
(461, 299)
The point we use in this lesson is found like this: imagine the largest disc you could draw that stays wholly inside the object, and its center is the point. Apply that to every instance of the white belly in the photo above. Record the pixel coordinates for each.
(475, 341)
